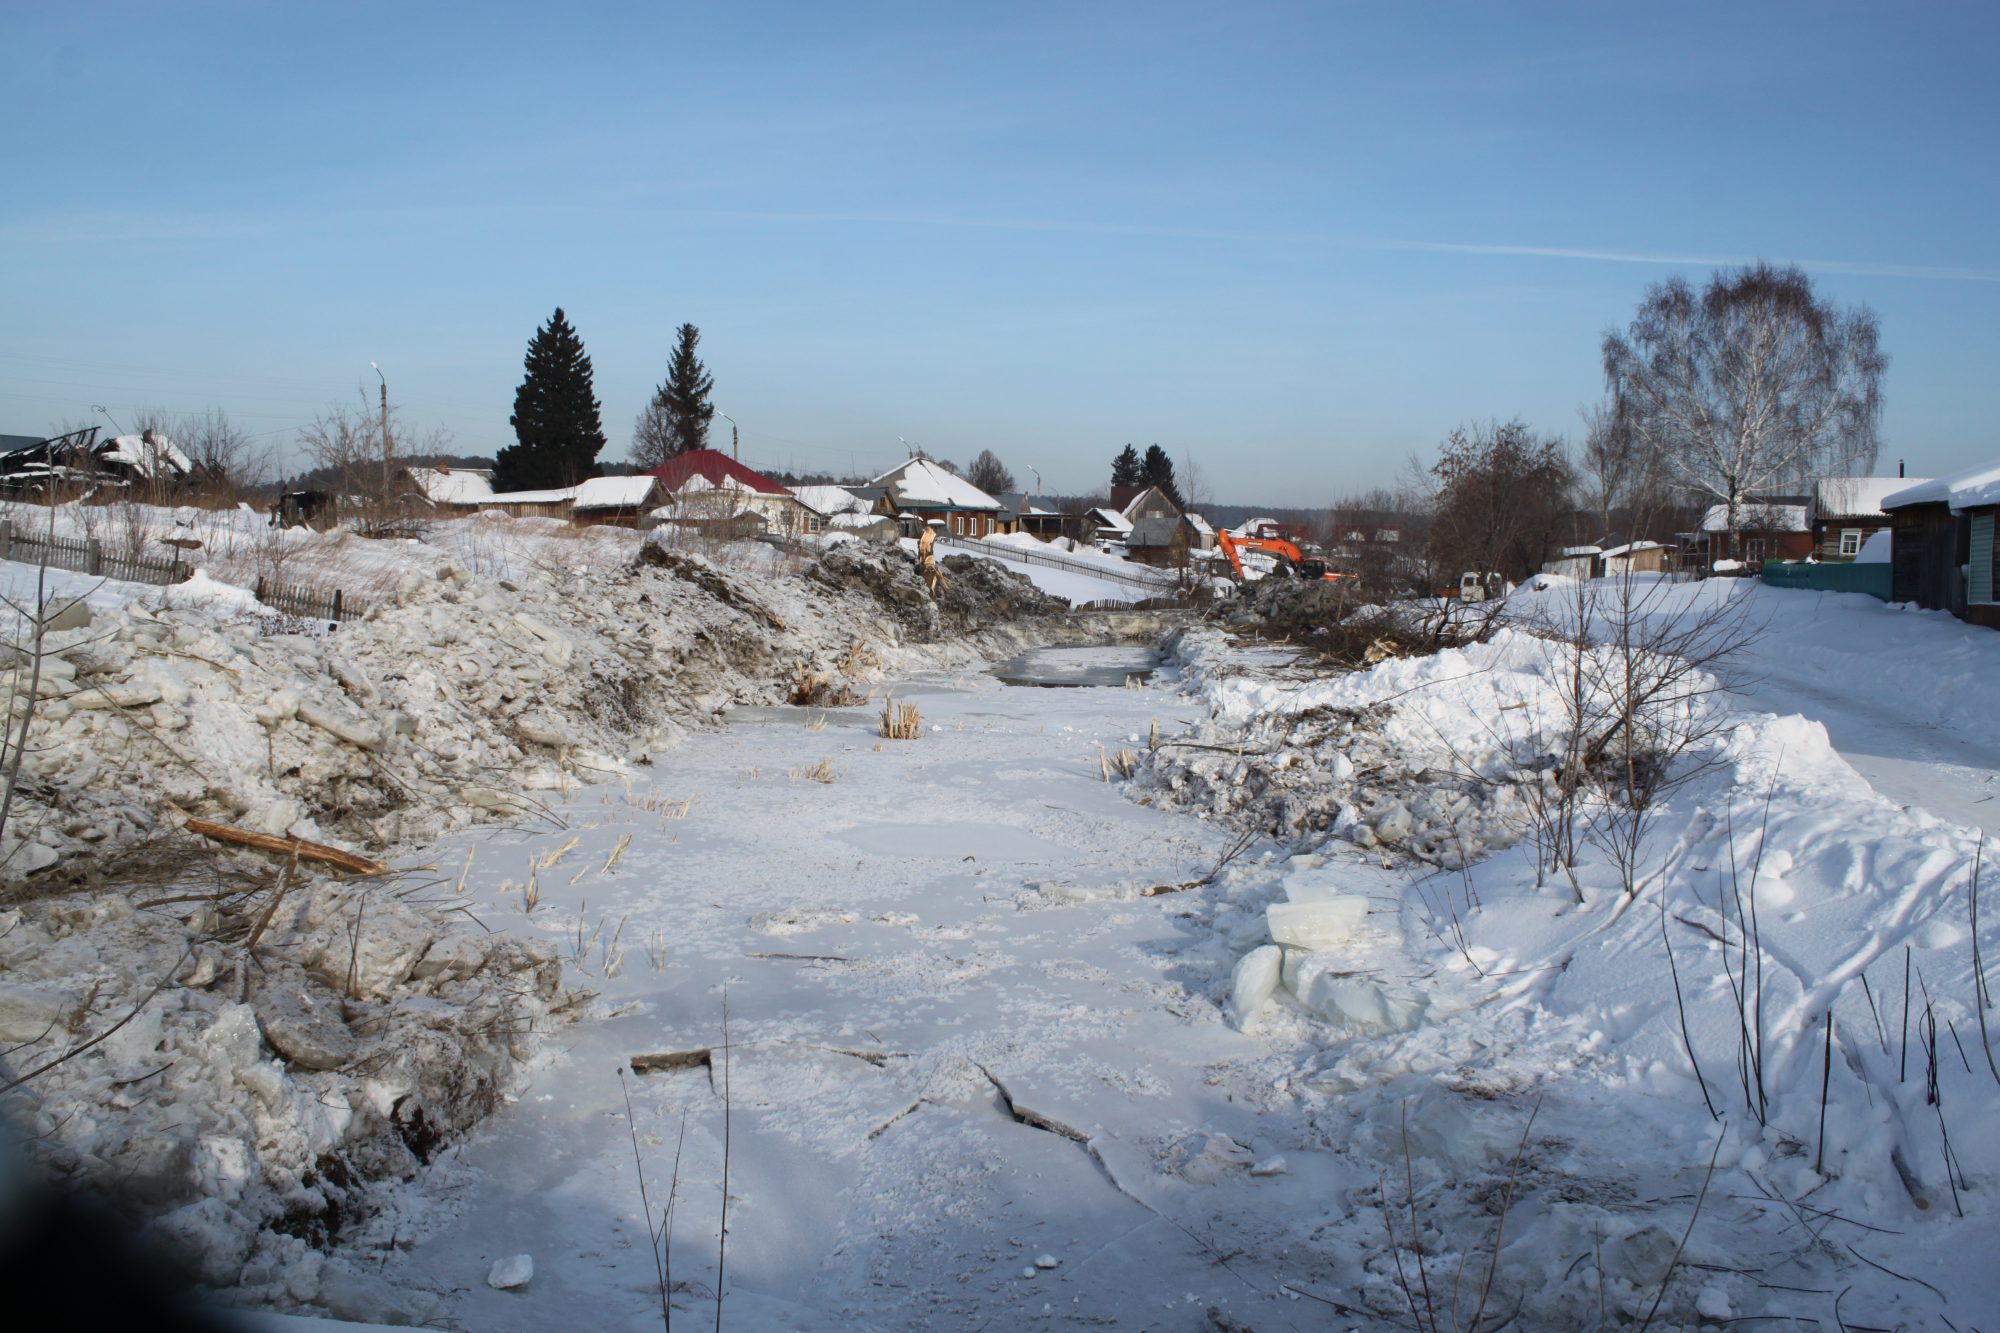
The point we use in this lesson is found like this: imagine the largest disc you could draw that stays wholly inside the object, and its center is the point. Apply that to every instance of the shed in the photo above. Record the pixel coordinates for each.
(1944, 554)
(455, 490)
(1641, 557)
(1576, 562)
(615, 500)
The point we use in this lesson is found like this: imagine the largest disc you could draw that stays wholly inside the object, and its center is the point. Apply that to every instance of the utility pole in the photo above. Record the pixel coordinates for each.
(385, 427)
(732, 435)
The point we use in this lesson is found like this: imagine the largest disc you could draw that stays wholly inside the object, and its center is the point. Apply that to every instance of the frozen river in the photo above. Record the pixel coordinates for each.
(959, 1041)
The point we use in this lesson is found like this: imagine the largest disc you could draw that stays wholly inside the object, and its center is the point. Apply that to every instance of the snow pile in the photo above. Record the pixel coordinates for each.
(1415, 754)
(1573, 1053)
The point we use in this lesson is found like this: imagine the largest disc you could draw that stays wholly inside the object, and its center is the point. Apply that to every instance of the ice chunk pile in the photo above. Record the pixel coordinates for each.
(1319, 956)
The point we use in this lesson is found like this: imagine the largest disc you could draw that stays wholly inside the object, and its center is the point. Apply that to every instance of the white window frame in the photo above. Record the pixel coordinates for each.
(1850, 541)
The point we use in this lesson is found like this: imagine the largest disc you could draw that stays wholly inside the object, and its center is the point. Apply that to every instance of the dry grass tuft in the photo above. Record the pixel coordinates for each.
(820, 772)
(901, 722)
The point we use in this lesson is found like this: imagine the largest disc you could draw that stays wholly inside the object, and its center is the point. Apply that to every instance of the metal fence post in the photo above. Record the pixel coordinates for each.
(336, 604)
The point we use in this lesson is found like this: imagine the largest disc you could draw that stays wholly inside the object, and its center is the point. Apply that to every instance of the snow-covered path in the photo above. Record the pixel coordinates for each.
(1899, 692)
(890, 969)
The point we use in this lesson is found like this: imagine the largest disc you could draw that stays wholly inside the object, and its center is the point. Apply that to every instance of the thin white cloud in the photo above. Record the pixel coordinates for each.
(1658, 259)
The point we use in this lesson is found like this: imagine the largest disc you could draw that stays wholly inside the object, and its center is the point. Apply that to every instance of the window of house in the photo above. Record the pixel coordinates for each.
(1753, 549)
(1850, 541)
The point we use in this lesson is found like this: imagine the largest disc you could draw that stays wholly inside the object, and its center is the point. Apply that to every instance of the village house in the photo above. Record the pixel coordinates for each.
(1847, 511)
(1161, 534)
(552, 503)
(617, 501)
(1108, 527)
(839, 509)
(1769, 528)
(1943, 554)
(1020, 513)
(918, 493)
(449, 490)
(707, 489)
(73, 462)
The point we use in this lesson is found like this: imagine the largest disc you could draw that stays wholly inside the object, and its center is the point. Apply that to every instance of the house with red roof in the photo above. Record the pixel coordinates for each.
(706, 488)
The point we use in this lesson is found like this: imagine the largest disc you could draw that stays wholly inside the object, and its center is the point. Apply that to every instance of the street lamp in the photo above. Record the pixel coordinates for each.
(732, 435)
(385, 426)
(99, 407)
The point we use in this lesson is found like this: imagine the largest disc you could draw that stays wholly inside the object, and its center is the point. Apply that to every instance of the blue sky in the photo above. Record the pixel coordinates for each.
(1292, 244)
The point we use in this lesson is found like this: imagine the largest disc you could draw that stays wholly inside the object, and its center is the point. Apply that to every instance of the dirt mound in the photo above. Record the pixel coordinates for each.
(978, 592)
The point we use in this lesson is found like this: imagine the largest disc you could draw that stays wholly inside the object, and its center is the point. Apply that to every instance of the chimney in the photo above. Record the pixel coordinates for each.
(1899, 467)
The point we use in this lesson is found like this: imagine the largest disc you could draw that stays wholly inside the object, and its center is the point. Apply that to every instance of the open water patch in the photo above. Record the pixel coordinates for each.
(1113, 665)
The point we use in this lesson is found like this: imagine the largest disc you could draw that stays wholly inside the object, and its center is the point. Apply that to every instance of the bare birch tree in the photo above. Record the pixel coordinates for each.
(1751, 384)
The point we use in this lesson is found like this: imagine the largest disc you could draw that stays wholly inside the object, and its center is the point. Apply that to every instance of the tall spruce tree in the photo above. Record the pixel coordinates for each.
(557, 428)
(1125, 468)
(676, 420)
(1158, 470)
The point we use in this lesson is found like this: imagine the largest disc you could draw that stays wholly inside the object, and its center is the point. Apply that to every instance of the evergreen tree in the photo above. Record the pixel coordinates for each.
(1158, 470)
(556, 423)
(1125, 468)
(677, 418)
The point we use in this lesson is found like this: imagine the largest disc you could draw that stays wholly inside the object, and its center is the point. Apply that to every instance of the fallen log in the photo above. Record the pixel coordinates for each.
(293, 847)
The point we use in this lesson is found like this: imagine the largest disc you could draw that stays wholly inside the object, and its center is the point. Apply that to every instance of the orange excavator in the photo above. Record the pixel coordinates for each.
(1292, 562)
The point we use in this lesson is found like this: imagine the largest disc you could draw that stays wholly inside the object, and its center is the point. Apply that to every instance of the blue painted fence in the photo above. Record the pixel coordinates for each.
(1872, 579)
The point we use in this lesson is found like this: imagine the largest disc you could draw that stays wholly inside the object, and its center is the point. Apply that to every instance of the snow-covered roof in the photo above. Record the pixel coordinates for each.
(1755, 517)
(616, 492)
(1110, 518)
(557, 496)
(830, 500)
(1583, 550)
(149, 455)
(1856, 497)
(1631, 548)
(443, 486)
(1971, 489)
(1201, 525)
(923, 483)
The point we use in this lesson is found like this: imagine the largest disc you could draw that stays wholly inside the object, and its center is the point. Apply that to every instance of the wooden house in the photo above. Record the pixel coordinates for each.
(1847, 511)
(844, 509)
(920, 493)
(1769, 528)
(552, 503)
(619, 501)
(446, 489)
(1943, 555)
(708, 489)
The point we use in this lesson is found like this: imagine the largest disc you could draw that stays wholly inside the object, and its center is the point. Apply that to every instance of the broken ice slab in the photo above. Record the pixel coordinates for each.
(1254, 981)
(1319, 924)
(1350, 1001)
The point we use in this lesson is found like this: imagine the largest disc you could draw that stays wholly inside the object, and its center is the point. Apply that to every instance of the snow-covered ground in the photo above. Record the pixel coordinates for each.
(1292, 1027)
(975, 1073)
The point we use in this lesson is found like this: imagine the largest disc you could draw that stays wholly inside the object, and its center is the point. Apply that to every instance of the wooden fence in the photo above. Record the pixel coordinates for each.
(87, 556)
(309, 603)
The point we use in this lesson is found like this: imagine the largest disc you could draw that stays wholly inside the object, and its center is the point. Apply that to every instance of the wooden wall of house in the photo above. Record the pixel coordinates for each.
(1929, 547)
(1826, 540)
